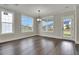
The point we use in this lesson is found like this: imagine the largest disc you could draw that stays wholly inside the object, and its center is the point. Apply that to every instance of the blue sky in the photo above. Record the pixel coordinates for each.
(66, 21)
(26, 20)
(48, 23)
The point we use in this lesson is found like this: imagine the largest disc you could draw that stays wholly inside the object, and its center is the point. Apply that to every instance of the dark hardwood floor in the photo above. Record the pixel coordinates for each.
(38, 46)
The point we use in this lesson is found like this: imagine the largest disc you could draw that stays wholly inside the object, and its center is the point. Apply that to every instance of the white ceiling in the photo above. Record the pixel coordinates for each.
(45, 9)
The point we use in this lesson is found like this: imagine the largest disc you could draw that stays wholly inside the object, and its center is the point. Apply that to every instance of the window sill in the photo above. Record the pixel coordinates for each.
(27, 32)
(47, 32)
(6, 33)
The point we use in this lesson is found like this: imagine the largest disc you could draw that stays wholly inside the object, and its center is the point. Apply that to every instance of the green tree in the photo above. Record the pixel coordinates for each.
(67, 26)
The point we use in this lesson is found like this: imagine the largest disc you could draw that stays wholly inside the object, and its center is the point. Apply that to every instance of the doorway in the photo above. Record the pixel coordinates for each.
(68, 27)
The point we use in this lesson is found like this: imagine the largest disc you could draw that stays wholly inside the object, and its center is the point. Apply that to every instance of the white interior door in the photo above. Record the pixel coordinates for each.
(68, 27)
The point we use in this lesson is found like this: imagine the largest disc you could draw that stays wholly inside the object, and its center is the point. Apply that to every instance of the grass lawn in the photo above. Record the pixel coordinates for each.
(67, 33)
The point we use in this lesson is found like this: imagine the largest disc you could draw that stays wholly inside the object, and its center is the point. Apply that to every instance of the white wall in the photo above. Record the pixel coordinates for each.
(17, 30)
(58, 32)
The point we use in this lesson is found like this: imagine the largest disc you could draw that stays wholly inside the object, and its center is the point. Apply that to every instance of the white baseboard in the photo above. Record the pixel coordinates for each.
(2, 41)
(51, 36)
(55, 37)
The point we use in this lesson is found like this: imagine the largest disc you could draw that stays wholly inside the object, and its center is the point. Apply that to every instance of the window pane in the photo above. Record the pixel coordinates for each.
(7, 18)
(9, 28)
(50, 25)
(67, 27)
(10, 14)
(44, 25)
(3, 28)
(6, 28)
(26, 23)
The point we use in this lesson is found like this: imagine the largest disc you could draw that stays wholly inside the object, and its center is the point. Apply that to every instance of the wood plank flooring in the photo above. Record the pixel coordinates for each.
(38, 46)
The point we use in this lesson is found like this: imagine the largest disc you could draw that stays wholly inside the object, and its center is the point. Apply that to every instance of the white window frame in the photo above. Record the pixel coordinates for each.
(47, 26)
(12, 23)
(32, 24)
(72, 26)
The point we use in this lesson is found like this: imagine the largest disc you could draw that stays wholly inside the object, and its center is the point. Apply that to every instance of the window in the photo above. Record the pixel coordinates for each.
(6, 21)
(67, 26)
(48, 25)
(26, 24)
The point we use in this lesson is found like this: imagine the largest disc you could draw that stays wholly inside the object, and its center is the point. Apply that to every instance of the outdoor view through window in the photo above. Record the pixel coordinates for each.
(67, 27)
(26, 24)
(48, 25)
